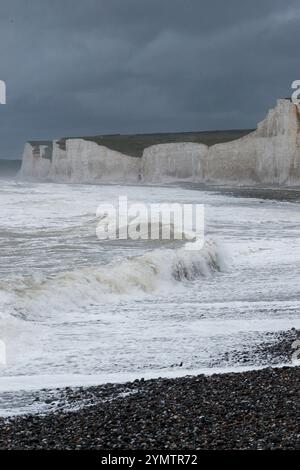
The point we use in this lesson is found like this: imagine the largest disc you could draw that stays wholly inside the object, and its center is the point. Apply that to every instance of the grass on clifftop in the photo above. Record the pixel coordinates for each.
(135, 144)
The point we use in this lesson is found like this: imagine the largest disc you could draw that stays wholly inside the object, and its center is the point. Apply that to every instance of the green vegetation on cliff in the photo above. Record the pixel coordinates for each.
(135, 144)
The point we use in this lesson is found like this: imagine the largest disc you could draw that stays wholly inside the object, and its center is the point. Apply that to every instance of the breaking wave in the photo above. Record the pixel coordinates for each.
(152, 272)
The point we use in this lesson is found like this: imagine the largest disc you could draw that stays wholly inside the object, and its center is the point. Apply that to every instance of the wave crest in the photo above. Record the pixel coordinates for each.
(154, 271)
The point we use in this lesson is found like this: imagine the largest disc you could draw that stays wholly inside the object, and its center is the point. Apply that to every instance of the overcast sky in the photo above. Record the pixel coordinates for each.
(75, 67)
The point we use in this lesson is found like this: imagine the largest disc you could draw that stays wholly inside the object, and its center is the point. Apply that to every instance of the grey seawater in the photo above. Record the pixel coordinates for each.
(76, 311)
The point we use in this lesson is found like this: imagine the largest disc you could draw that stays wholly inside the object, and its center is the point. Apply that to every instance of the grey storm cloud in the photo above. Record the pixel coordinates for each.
(126, 66)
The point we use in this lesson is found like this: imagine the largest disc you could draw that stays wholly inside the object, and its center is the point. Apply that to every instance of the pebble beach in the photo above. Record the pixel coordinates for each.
(250, 410)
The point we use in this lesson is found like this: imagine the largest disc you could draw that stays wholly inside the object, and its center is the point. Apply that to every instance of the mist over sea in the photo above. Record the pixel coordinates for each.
(9, 168)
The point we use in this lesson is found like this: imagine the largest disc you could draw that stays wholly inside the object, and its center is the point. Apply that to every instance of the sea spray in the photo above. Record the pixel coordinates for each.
(156, 271)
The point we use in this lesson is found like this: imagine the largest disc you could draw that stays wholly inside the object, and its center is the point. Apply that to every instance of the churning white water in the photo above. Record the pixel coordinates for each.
(77, 310)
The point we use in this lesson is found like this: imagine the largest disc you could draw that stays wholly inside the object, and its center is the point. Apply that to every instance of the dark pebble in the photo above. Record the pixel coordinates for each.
(250, 410)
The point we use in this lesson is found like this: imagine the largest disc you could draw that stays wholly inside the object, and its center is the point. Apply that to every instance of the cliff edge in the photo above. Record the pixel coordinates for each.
(271, 154)
(268, 155)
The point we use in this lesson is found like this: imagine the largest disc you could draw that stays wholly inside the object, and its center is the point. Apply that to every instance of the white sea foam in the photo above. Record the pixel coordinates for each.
(156, 271)
(74, 306)
(14, 384)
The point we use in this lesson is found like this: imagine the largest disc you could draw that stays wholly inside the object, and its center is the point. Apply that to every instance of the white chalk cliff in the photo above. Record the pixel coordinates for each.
(174, 162)
(79, 161)
(36, 163)
(269, 155)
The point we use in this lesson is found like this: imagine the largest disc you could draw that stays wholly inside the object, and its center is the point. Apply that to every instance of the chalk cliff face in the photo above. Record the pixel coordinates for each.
(87, 162)
(80, 161)
(269, 155)
(36, 161)
(174, 162)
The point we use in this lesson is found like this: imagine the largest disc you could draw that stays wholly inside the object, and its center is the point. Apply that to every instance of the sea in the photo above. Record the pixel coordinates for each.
(78, 311)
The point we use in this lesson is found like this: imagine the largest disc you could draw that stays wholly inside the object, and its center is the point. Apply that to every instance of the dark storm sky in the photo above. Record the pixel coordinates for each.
(124, 66)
